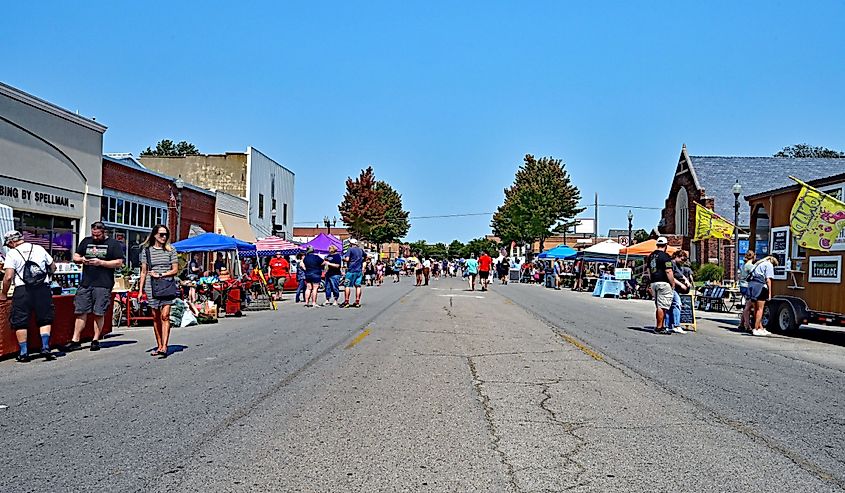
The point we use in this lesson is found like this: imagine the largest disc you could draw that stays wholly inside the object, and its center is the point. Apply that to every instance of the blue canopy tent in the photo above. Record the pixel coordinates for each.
(558, 252)
(213, 242)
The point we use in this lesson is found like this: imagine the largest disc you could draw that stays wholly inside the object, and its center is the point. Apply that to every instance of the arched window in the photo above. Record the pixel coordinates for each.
(682, 213)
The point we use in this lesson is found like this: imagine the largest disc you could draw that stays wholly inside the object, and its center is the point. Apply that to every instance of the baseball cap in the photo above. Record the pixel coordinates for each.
(12, 235)
(662, 241)
(353, 241)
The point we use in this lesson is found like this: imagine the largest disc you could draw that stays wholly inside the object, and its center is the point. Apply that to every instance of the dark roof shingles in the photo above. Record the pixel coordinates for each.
(717, 176)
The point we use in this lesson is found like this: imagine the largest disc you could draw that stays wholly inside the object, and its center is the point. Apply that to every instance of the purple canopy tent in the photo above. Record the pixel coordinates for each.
(322, 242)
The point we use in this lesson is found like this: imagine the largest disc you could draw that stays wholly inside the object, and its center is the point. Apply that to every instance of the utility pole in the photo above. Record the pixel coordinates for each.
(596, 219)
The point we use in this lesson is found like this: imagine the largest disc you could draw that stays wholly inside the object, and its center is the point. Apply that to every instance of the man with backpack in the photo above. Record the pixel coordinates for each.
(30, 267)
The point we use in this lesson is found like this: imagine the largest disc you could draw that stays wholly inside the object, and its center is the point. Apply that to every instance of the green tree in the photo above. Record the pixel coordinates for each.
(455, 249)
(419, 248)
(541, 200)
(438, 251)
(361, 209)
(167, 148)
(396, 223)
(805, 150)
(640, 236)
(478, 245)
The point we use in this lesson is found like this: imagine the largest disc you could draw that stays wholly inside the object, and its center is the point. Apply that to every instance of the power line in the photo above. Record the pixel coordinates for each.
(471, 214)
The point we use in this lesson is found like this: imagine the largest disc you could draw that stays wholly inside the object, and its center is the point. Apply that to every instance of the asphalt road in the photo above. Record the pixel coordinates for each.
(432, 389)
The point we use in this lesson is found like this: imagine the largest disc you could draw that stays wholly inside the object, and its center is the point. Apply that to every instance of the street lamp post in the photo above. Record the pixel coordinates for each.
(328, 223)
(630, 226)
(180, 184)
(737, 190)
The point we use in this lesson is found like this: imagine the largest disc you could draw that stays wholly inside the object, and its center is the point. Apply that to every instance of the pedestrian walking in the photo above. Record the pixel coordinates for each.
(380, 268)
(471, 271)
(278, 269)
(397, 269)
(760, 291)
(30, 267)
(502, 269)
(485, 264)
(300, 277)
(99, 256)
(333, 264)
(426, 264)
(659, 265)
(354, 264)
(159, 266)
(313, 271)
(745, 324)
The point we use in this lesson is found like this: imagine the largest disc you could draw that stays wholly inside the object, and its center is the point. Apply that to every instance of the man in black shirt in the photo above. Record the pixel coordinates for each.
(659, 265)
(99, 256)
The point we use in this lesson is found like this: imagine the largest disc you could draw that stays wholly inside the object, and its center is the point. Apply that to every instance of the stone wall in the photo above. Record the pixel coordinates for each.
(224, 172)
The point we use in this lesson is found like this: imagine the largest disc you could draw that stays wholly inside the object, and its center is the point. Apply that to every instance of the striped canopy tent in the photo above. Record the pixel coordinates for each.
(267, 247)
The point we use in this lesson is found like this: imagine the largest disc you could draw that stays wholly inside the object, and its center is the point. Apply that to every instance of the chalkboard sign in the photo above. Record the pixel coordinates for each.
(779, 239)
(688, 311)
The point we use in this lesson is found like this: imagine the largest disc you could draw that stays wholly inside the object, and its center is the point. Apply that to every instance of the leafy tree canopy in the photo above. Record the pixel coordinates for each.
(455, 249)
(804, 150)
(541, 201)
(166, 148)
(396, 224)
(362, 210)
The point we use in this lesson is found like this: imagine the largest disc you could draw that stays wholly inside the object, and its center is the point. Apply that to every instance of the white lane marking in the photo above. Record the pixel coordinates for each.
(462, 296)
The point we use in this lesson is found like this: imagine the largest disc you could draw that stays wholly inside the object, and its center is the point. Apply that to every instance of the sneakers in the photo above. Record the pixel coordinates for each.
(343, 305)
(355, 305)
(662, 331)
(95, 345)
(22, 358)
(72, 346)
(48, 355)
(760, 332)
(679, 330)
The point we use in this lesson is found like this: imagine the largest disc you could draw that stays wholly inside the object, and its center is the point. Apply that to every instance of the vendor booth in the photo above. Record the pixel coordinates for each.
(644, 249)
(322, 242)
(558, 252)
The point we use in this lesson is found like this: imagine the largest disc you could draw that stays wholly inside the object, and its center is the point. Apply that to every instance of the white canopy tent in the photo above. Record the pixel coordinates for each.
(607, 247)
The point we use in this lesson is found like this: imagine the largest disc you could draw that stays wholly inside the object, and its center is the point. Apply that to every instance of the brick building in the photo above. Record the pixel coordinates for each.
(709, 180)
(136, 198)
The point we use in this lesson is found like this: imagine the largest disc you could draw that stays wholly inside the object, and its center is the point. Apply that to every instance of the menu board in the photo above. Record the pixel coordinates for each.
(780, 250)
(688, 311)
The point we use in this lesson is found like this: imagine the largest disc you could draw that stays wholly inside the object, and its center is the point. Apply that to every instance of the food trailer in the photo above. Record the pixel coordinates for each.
(807, 287)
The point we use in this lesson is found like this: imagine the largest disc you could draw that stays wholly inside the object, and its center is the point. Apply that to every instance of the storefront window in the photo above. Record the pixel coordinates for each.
(55, 234)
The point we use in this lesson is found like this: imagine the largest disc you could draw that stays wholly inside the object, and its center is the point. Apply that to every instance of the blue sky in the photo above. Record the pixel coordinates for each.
(444, 98)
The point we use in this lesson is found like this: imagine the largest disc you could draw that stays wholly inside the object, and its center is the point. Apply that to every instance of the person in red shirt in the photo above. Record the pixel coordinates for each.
(279, 269)
(485, 263)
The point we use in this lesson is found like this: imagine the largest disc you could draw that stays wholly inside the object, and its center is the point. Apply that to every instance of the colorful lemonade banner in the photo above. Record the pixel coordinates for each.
(708, 224)
(816, 218)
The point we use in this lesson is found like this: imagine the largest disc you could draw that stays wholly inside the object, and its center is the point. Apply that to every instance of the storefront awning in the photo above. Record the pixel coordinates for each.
(235, 226)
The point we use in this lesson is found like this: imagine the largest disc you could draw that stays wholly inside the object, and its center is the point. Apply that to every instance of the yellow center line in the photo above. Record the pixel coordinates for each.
(586, 350)
(360, 337)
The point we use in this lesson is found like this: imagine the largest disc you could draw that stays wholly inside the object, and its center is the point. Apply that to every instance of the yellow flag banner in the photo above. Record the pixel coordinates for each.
(708, 224)
(816, 218)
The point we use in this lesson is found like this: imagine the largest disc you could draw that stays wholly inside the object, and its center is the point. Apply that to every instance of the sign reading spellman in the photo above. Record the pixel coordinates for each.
(39, 198)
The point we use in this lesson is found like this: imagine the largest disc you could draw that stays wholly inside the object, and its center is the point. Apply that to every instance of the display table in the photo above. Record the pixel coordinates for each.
(606, 287)
(62, 329)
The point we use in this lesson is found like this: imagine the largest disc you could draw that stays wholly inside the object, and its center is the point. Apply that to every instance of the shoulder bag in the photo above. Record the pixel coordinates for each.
(163, 288)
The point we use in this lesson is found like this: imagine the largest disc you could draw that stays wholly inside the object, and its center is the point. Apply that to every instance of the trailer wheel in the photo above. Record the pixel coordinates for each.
(784, 319)
(768, 320)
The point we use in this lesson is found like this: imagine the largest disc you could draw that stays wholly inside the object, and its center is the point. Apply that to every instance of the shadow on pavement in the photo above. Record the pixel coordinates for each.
(647, 330)
(111, 344)
(176, 348)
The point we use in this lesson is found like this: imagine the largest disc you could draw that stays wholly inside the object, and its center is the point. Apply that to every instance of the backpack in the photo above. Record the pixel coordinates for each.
(33, 274)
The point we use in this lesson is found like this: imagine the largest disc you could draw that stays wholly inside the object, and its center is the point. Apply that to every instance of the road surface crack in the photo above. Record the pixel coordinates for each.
(570, 428)
(495, 437)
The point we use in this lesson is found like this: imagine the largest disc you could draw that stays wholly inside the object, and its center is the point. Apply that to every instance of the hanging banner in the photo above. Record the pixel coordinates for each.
(708, 224)
(816, 218)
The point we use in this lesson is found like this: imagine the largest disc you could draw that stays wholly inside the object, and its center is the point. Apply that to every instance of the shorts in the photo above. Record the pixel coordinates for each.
(279, 282)
(353, 279)
(92, 299)
(313, 278)
(28, 300)
(743, 290)
(483, 274)
(158, 304)
(663, 295)
(758, 291)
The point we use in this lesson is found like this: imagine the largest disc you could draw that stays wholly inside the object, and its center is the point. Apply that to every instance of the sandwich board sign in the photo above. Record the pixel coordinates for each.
(688, 311)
